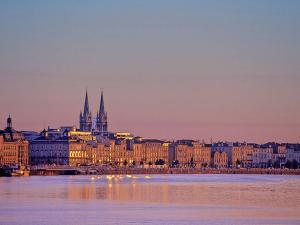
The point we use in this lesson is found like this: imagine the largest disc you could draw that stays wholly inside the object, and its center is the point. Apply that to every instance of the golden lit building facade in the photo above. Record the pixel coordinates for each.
(115, 153)
(189, 153)
(202, 155)
(84, 153)
(154, 152)
(220, 159)
(13, 146)
(242, 155)
(184, 154)
(121, 154)
(64, 150)
(138, 154)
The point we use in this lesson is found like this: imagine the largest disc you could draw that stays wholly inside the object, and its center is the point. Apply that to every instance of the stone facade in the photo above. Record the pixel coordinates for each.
(13, 146)
(220, 159)
(242, 155)
(222, 147)
(202, 156)
(262, 156)
(154, 151)
(189, 153)
(293, 154)
(184, 154)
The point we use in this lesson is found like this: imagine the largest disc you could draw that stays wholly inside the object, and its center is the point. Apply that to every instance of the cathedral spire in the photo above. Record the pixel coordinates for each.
(101, 109)
(101, 123)
(86, 110)
(85, 119)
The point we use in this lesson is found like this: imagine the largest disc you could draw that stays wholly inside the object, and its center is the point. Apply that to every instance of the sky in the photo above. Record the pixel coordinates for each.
(202, 69)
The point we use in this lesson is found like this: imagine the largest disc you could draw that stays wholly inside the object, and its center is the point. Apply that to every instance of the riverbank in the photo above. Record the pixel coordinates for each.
(116, 171)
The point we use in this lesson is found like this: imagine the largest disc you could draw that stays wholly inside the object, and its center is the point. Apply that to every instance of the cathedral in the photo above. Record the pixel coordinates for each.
(86, 120)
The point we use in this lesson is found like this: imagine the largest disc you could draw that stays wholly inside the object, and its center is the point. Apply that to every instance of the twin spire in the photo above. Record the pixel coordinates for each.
(86, 121)
(101, 109)
(86, 109)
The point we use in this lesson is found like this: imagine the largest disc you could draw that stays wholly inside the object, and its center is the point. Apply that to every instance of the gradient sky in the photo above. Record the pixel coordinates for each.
(226, 70)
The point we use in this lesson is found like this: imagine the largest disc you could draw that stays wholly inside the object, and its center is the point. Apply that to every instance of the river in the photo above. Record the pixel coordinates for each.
(150, 199)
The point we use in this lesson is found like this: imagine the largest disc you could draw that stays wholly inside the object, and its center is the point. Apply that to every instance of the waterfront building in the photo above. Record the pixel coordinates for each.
(262, 156)
(279, 155)
(242, 155)
(189, 153)
(202, 156)
(71, 148)
(122, 152)
(123, 155)
(293, 152)
(220, 159)
(222, 147)
(155, 152)
(84, 153)
(13, 146)
(115, 153)
(49, 150)
(85, 119)
(182, 153)
(103, 154)
(138, 153)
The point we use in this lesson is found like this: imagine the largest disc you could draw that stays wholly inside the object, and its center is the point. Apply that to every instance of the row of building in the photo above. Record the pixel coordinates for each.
(93, 144)
(69, 146)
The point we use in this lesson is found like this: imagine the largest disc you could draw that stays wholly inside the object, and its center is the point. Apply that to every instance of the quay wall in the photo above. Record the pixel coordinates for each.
(101, 171)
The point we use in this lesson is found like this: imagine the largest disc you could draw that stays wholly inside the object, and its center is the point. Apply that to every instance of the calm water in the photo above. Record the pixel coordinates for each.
(155, 199)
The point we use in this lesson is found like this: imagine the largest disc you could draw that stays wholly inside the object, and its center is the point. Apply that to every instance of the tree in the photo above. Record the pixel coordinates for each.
(277, 163)
(295, 164)
(238, 162)
(270, 164)
(204, 164)
(125, 163)
(192, 163)
(150, 163)
(141, 163)
(175, 163)
(159, 162)
(133, 163)
(288, 164)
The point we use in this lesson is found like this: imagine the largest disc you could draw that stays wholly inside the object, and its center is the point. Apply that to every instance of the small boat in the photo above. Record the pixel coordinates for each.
(19, 173)
(13, 172)
(5, 172)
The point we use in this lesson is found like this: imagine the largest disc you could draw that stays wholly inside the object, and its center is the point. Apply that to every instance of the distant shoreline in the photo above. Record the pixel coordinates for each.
(120, 171)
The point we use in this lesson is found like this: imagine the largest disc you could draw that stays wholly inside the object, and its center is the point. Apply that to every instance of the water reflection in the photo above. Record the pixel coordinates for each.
(203, 196)
(138, 189)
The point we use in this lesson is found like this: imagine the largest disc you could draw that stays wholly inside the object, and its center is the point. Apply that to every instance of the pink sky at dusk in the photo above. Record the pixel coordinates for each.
(201, 69)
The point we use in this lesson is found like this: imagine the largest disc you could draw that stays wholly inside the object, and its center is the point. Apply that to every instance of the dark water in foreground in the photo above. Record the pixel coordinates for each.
(155, 199)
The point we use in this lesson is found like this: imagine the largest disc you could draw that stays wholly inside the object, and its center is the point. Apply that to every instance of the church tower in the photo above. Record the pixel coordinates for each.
(85, 119)
(101, 117)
